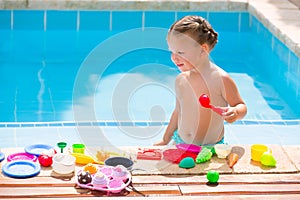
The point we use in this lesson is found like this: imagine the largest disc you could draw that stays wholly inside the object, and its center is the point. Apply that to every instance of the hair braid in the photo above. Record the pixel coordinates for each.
(198, 28)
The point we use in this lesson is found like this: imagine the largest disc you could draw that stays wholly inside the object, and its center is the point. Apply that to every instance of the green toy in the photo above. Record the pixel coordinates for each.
(212, 176)
(204, 155)
(268, 159)
(187, 163)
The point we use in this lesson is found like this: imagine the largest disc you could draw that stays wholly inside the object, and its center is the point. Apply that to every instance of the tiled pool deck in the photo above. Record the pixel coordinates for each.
(281, 17)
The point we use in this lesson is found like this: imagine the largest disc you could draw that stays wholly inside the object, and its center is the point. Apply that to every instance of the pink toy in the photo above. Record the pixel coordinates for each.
(189, 147)
(205, 102)
(109, 179)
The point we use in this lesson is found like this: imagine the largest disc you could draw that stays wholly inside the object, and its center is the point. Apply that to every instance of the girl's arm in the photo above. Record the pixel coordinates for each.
(237, 108)
(172, 126)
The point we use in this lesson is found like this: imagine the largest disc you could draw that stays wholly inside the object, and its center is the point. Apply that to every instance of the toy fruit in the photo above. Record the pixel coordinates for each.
(232, 159)
(212, 176)
(268, 159)
(187, 163)
(204, 155)
(45, 160)
(91, 168)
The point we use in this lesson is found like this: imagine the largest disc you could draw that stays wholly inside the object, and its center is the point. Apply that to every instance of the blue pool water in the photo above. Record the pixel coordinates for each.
(55, 67)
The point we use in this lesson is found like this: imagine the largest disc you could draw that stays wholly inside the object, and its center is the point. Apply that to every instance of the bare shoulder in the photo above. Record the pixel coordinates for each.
(226, 78)
(182, 76)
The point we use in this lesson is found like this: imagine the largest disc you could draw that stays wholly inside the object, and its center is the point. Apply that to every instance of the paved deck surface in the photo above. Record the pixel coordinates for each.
(247, 179)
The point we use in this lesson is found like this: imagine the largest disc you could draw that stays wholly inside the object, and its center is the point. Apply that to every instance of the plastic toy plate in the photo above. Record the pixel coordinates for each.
(21, 156)
(113, 185)
(37, 149)
(176, 155)
(2, 156)
(189, 147)
(21, 169)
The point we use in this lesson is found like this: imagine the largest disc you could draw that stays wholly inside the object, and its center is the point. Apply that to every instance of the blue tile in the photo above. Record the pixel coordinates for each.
(101, 123)
(281, 51)
(84, 124)
(5, 19)
(278, 123)
(62, 20)
(231, 19)
(182, 14)
(264, 34)
(254, 24)
(112, 124)
(292, 122)
(55, 124)
(13, 125)
(42, 125)
(141, 123)
(245, 21)
(69, 124)
(28, 19)
(126, 20)
(155, 123)
(27, 125)
(294, 63)
(126, 123)
(154, 19)
(94, 20)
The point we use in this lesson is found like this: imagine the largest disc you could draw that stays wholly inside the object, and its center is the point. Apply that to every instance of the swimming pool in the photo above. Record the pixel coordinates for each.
(89, 66)
(30, 115)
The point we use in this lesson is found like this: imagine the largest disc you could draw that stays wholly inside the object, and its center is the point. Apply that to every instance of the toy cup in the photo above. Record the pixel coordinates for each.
(78, 148)
(257, 151)
(222, 150)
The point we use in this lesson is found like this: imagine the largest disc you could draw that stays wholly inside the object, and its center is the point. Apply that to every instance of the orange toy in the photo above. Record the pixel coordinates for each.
(232, 159)
(91, 168)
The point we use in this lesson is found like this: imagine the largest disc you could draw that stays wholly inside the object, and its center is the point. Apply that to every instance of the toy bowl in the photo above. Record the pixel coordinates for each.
(257, 150)
(63, 163)
(222, 150)
(115, 161)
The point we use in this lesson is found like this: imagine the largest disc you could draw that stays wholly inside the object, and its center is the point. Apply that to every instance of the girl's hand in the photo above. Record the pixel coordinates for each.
(160, 143)
(230, 115)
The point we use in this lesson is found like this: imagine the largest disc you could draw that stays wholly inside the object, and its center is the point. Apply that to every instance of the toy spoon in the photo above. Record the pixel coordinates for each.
(205, 102)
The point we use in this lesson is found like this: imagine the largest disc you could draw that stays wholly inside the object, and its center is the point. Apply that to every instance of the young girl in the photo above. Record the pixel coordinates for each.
(190, 40)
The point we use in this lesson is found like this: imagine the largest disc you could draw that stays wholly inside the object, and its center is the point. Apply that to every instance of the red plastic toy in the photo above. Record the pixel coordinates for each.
(176, 155)
(149, 154)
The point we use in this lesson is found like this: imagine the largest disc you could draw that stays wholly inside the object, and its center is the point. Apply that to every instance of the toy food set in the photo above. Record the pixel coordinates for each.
(149, 154)
(106, 178)
(21, 169)
(119, 161)
(176, 155)
(261, 153)
(2, 156)
(21, 156)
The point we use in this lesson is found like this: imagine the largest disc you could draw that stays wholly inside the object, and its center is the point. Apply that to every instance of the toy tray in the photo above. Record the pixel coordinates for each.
(114, 185)
(149, 154)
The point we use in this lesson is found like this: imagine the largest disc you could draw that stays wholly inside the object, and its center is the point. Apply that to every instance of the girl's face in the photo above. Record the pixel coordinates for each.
(185, 51)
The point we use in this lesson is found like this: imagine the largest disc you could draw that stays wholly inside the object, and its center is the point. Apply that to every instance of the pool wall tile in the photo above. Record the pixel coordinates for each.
(5, 19)
(154, 19)
(181, 14)
(28, 19)
(231, 19)
(61, 20)
(94, 20)
(126, 20)
(281, 51)
(244, 24)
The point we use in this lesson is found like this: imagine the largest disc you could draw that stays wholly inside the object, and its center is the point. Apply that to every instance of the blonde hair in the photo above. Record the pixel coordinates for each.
(196, 27)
